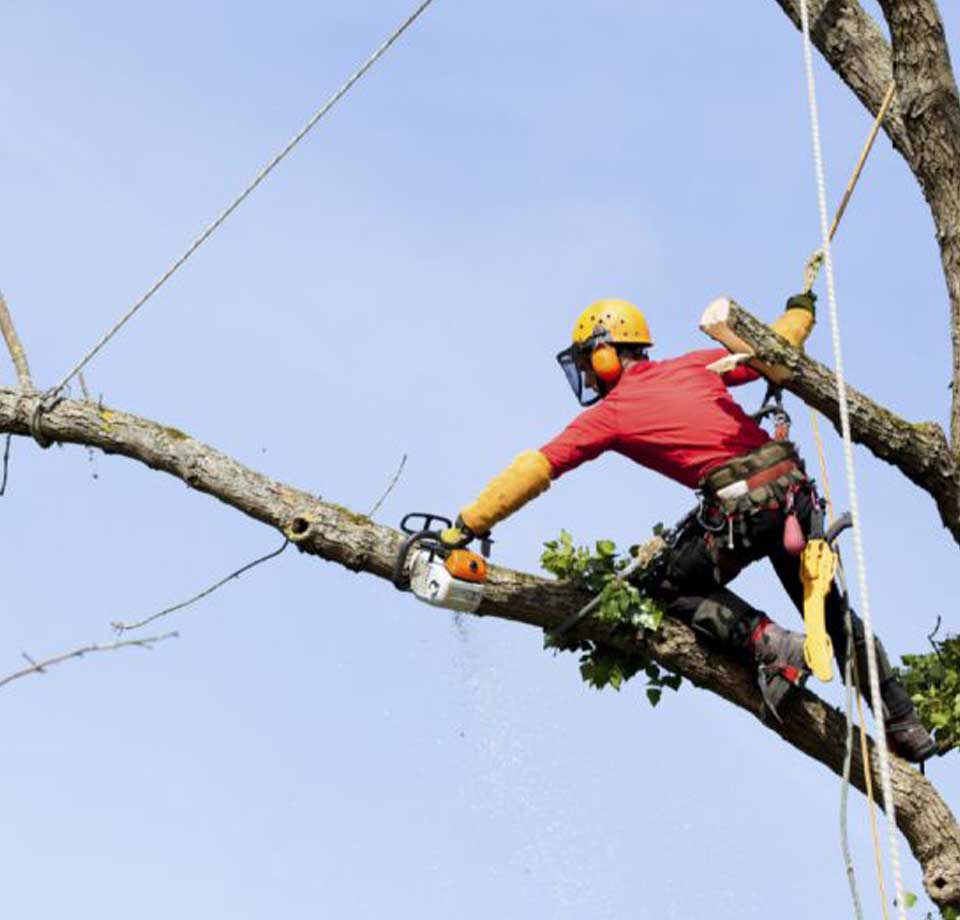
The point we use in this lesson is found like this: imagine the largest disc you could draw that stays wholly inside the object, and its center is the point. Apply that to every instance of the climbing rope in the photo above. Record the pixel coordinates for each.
(200, 240)
(815, 261)
(847, 763)
(874, 682)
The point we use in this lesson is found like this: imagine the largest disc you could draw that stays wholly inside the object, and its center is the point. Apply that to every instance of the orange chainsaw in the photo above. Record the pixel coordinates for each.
(435, 572)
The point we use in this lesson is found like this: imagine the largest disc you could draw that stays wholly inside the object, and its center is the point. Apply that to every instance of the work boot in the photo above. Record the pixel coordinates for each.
(906, 735)
(780, 662)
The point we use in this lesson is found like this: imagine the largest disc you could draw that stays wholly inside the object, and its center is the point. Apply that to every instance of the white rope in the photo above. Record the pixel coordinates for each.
(881, 740)
(200, 240)
(848, 749)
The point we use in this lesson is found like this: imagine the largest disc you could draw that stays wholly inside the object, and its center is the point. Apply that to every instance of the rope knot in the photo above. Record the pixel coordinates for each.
(45, 403)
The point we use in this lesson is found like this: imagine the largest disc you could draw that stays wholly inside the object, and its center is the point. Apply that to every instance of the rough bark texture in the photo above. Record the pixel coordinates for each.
(338, 535)
(924, 123)
(918, 449)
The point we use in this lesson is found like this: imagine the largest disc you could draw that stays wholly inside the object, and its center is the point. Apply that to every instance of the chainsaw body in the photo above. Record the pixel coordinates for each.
(437, 574)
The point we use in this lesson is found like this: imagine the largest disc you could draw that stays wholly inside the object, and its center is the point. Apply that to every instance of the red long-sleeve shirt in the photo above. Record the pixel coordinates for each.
(672, 416)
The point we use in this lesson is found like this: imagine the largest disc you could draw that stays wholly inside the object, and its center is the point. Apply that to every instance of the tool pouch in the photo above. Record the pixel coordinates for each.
(741, 469)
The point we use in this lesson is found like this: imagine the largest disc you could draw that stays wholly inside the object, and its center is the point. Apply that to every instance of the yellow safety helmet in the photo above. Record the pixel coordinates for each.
(623, 322)
(598, 330)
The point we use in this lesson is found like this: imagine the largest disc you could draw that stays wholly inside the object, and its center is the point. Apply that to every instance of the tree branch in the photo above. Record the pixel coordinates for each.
(17, 353)
(924, 123)
(918, 449)
(40, 667)
(339, 535)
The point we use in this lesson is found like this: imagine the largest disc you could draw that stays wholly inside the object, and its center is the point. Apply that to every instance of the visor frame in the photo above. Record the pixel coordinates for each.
(574, 362)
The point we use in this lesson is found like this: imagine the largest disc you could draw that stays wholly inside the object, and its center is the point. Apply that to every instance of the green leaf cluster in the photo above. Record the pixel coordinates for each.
(933, 682)
(623, 606)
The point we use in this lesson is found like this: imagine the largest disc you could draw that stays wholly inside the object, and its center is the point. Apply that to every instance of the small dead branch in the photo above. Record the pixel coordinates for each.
(40, 667)
(393, 482)
(17, 353)
(121, 628)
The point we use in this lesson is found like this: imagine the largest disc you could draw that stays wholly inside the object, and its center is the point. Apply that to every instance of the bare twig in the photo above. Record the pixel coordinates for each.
(13, 344)
(931, 638)
(83, 386)
(40, 667)
(6, 464)
(393, 482)
(124, 627)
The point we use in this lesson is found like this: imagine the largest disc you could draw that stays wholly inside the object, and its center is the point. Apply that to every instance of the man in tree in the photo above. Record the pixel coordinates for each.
(678, 418)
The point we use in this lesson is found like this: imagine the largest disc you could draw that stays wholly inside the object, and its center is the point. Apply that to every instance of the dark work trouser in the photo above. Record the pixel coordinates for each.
(695, 591)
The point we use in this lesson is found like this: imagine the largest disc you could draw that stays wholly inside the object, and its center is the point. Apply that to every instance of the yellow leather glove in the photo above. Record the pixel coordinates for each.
(798, 321)
(526, 478)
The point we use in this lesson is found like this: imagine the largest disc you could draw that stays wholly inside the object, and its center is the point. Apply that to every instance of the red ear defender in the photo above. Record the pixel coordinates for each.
(606, 363)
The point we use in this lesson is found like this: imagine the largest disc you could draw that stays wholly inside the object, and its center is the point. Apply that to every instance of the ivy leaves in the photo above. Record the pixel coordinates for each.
(933, 682)
(622, 605)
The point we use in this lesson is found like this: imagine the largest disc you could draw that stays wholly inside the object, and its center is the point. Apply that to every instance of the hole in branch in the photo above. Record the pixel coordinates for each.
(299, 527)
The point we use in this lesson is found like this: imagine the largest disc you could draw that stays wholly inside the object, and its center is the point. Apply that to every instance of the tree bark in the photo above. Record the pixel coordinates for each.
(338, 535)
(924, 122)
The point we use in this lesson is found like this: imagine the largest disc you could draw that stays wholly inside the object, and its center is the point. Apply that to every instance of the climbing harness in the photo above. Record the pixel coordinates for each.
(889, 805)
(772, 407)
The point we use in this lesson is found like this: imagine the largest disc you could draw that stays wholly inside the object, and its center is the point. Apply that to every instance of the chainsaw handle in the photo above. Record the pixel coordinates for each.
(838, 527)
(427, 525)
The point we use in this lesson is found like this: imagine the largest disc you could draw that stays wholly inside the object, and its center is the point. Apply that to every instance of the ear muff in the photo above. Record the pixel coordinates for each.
(606, 363)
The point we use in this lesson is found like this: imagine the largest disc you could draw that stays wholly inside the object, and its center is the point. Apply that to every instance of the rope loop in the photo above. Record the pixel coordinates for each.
(45, 404)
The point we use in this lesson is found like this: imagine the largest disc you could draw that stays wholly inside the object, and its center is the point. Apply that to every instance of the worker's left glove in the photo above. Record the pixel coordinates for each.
(457, 536)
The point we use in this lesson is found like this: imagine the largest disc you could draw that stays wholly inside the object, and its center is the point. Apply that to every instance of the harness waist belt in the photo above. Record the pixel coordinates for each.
(743, 486)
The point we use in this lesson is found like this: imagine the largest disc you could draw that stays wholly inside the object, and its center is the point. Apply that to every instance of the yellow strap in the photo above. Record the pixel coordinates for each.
(817, 568)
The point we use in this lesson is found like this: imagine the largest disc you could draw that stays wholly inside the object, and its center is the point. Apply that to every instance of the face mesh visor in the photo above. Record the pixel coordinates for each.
(573, 361)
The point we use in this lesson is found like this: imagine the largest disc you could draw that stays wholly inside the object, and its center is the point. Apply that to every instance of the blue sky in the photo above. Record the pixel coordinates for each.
(316, 744)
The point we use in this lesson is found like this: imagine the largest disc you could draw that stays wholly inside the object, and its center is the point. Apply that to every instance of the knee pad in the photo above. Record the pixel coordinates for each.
(721, 622)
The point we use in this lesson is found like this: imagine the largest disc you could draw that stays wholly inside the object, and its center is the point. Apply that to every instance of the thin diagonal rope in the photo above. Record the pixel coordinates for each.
(888, 802)
(200, 240)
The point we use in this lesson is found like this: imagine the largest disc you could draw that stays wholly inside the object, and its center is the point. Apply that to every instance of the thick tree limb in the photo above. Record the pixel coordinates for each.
(918, 449)
(338, 535)
(924, 124)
